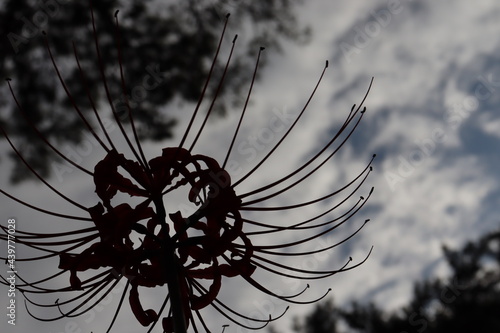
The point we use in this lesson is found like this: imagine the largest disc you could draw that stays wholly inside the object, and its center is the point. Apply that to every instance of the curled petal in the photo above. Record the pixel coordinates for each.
(145, 317)
(109, 181)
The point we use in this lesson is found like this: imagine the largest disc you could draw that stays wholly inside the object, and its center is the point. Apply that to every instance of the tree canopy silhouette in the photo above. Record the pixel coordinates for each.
(467, 301)
(167, 49)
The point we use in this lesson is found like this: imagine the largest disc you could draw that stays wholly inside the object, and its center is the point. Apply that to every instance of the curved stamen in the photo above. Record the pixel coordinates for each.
(349, 118)
(265, 290)
(316, 235)
(69, 95)
(124, 91)
(219, 86)
(119, 306)
(306, 175)
(21, 287)
(247, 317)
(57, 243)
(107, 91)
(53, 252)
(301, 225)
(64, 216)
(296, 254)
(97, 301)
(318, 274)
(287, 132)
(40, 290)
(368, 167)
(181, 144)
(40, 135)
(244, 109)
(53, 235)
(74, 203)
(293, 269)
(200, 288)
(91, 100)
(162, 308)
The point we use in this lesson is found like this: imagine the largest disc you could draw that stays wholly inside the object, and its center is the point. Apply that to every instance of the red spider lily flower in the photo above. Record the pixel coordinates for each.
(150, 247)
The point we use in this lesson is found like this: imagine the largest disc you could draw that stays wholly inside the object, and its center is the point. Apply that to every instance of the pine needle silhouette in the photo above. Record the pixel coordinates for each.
(185, 256)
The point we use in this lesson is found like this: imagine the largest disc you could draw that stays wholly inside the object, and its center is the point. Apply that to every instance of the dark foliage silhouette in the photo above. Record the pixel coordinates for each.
(166, 50)
(467, 301)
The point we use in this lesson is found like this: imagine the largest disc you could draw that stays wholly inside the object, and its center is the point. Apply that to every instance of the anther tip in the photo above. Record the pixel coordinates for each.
(116, 12)
(44, 32)
(326, 64)
(8, 79)
(262, 48)
(227, 15)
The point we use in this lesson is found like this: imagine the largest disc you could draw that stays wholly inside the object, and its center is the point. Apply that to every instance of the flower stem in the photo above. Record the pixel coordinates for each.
(171, 271)
(175, 295)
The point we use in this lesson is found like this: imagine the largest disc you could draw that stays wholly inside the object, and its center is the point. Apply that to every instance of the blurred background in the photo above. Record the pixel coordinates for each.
(432, 119)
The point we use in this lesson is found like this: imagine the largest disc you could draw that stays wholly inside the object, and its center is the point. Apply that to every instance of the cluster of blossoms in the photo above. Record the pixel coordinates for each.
(192, 254)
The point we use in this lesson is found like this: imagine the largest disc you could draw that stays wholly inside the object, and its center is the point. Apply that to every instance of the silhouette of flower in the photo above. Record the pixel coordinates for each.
(192, 254)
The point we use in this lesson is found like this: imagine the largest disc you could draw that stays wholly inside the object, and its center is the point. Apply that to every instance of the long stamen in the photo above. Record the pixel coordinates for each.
(265, 290)
(73, 310)
(307, 239)
(244, 109)
(91, 100)
(124, 89)
(54, 253)
(219, 86)
(39, 290)
(107, 91)
(119, 307)
(287, 132)
(349, 118)
(245, 205)
(45, 211)
(304, 253)
(69, 95)
(40, 135)
(299, 169)
(181, 144)
(74, 203)
(71, 314)
(199, 287)
(162, 308)
(300, 225)
(318, 274)
(33, 284)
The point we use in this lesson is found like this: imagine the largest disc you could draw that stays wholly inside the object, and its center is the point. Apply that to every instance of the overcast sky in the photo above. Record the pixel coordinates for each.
(432, 118)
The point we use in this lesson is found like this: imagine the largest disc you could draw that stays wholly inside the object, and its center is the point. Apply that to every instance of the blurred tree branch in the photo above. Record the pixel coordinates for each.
(166, 50)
